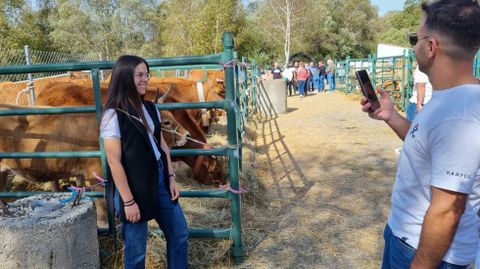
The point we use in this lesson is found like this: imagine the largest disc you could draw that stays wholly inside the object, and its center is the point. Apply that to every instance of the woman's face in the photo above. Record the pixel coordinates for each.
(141, 77)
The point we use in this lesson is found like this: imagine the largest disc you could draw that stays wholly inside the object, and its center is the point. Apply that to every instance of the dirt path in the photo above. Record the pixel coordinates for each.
(328, 171)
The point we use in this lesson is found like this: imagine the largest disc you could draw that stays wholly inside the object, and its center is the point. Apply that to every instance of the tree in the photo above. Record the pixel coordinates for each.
(395, 25)
(196, 27)
(108, 27)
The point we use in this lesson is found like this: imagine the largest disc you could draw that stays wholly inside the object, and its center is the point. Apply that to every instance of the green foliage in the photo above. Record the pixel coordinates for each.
(154, 28)
(396, 25)
(196, 27)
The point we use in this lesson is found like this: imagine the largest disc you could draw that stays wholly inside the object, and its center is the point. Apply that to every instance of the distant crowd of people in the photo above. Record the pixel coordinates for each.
(302, 78)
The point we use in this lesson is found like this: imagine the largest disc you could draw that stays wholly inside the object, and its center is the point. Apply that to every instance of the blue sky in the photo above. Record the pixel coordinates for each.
(384, 6)
(388, 5)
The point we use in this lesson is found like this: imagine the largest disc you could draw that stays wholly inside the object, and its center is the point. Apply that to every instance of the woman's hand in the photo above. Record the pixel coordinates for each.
(132, 213)
(174, 190)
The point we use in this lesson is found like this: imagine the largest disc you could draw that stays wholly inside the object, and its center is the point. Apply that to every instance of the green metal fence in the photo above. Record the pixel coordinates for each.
(476, 65)
(10, 57)
(394, 74)
(231, 104)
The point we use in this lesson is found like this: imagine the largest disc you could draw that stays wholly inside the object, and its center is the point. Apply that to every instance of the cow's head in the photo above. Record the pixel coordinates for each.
(174, 133)
(220, 87)
(209, 170)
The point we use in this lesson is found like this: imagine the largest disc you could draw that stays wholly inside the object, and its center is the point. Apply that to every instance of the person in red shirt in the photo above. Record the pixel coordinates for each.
(302, 76)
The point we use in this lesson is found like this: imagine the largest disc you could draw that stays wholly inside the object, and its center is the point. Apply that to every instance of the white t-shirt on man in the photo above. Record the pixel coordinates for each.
(110, 129)
(442, 150)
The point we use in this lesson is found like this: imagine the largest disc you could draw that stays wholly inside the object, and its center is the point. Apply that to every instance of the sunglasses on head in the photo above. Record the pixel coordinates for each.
(413, 38)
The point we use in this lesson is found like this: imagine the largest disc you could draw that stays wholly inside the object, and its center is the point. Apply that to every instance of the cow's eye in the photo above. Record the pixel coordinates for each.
(167, 122)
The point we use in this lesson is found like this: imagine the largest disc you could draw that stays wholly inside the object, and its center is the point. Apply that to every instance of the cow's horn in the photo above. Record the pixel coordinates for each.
(157, 94)
(219, 80)
(165, 95)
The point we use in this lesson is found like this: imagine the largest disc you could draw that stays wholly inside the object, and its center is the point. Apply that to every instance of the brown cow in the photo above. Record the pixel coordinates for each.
(205, 169)
(212, 77)
(68, 132)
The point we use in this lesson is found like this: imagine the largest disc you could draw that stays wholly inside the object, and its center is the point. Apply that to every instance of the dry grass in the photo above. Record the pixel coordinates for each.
(207, 213)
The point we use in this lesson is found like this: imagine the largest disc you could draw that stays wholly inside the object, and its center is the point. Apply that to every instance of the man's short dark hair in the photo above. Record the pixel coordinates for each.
(457, 20)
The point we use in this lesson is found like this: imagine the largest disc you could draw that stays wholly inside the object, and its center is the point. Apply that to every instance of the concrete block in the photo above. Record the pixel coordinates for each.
(49, 236)
(272, 97)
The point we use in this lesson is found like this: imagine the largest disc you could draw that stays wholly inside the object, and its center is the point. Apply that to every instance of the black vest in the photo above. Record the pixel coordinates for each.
(139, 162)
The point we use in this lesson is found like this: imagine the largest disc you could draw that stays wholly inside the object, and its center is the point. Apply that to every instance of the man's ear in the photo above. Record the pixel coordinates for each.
(432, 47)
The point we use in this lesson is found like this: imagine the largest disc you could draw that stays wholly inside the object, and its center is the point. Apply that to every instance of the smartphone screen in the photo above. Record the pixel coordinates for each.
(367, 89)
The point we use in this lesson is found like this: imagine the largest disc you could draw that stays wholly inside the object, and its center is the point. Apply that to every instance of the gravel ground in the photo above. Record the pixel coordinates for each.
(327, 170)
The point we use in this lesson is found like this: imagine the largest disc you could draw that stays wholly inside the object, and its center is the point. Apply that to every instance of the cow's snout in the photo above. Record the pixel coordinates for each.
(183, 139)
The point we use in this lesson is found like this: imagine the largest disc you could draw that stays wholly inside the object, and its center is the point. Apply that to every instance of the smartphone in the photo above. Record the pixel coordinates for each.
(367, 89)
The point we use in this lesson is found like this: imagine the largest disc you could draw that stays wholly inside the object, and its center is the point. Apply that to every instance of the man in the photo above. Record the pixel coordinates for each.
(433, 223)
(322, 70)
(288, 74)
(276, 71)
(315, 76)
(421, 94)
(331, 75)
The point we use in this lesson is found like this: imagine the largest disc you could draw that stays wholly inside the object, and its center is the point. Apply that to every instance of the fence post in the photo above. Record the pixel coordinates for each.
(347, 75)
(373, 62)
(410, 57)
(30, 78)
(232, 109)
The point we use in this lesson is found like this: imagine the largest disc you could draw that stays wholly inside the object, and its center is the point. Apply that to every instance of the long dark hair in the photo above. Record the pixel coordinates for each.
(122, 92)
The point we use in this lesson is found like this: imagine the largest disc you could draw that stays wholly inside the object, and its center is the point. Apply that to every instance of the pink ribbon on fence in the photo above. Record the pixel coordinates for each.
(230, 63)
(226, 187)
(100, 179)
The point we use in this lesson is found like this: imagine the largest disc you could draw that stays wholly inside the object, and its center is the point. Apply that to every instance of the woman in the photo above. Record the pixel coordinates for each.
(140, 165)
(302, 76)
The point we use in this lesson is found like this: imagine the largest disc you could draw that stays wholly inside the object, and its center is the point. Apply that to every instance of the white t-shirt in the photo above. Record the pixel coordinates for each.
(109, 128)
(441, 149)
(420, 77)
(288, 73)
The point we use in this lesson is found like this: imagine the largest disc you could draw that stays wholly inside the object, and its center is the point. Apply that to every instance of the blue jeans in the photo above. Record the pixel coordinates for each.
(301, 87)
(171, 221)
(331, 81)
(322, 83)
(411, 111)
(397, 254)
(316, 82)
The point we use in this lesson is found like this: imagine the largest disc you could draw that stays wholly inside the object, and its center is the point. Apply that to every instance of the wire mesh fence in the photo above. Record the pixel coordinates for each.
(19, 57)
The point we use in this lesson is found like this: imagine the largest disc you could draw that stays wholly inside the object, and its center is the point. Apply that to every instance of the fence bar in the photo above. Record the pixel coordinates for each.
(44, 111)
(189, 152)
(30, 77)
(202, 233)
(168, 61)
(221, 104)
(100, 194)
(57, 154)
(189, 67)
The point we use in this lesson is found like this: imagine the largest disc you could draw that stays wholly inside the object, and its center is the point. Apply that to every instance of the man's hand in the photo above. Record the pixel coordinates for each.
(387, 113)
(386, 109)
